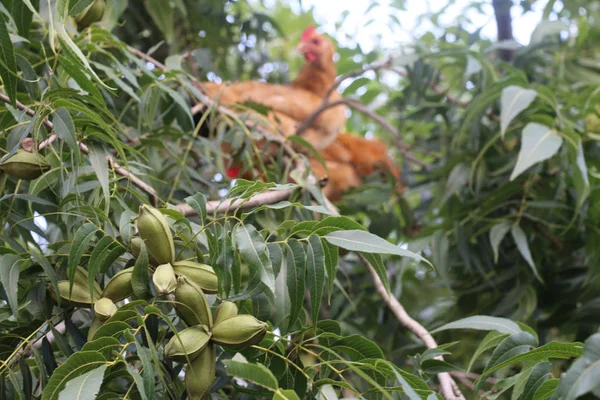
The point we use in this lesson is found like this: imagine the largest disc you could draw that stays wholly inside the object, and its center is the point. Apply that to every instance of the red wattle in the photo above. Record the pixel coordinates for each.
(233, 172)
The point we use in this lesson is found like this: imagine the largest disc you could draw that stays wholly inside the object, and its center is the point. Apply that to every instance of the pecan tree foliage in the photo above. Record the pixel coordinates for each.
(502, 204)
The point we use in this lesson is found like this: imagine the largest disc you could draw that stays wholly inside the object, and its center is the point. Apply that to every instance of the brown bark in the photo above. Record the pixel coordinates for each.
(504, 25)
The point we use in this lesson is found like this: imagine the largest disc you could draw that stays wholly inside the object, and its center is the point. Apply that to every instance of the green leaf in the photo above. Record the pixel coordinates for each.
(8, 63)
(139, 382)
(513, 100)
(356, 240)
(148, 370)
(48, 269)
(68, 44)
(198, 203)
(497, 233)
(22, 16)
(252, 248)
(110, 329)
(331, 262)
(406, 387)
(458, 179)
(106, 252)
(580, 177)
(162, 14)
(105, 346)
(546, 389)
(357, 347)
(285, 394)
(295, 268)
(77, 6)
(70, 64)
(549, 351)
(76, 365)
(65, 130)
(491, 340)
(583, 373)
(437, 366)
(98, 159)
(140, 280)
(376, 262)
(9, 276)
(484, 323)
(84, 387)
(545, 28)
(538, 143)
(521, 241)
(81, 241)
(255, 373)
(539, 374)
(315, 267)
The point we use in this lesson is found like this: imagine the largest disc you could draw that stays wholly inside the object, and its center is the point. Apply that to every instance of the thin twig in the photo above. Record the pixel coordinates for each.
(225, 205)
(449, 389)
(85, 150)
(386, 64)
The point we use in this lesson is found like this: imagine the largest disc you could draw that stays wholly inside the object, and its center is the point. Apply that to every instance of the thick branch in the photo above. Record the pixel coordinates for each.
(504, 26)
(221, 206)
(85, 150)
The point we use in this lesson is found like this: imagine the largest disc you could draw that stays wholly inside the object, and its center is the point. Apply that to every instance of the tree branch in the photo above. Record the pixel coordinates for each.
(85, 150)
(221, 206)
(503, 26)
(449, 389)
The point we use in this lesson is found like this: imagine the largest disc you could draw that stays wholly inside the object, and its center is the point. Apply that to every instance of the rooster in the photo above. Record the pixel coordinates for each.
(349, 159)
(293, 103)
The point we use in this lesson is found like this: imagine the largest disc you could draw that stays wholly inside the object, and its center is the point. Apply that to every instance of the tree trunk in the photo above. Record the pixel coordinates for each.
(504, 24)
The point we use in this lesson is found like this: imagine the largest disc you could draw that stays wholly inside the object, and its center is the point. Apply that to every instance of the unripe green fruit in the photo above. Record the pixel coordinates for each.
(136, 247)
(93, 13)
(226, 310)
(201, 274)
(105, 308)
(80, 295)
(241, 330)
(164, 279)
(155, 232)
(190, 343)
(200, 373)
(191, 303)
(81, 277)
(119, 287)
(25, 165)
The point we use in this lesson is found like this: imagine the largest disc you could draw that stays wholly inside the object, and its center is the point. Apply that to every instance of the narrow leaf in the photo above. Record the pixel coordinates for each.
(8, 63)
(497, 233)
(521, 241)
(513, 100)
(140, 280)
(482, 322)
(538, 143)
(295, 264)
(9, 276)
(84, 387)
(252, 248)
(356, 240)
(81, 241)
(65, 129)
(316, 275)
(255, 373)
(76, 365)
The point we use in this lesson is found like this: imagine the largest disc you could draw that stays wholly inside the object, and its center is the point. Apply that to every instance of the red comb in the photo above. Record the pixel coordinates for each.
(308, 32)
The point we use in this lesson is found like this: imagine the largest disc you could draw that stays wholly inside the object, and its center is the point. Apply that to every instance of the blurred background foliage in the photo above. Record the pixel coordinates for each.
(446, 103)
